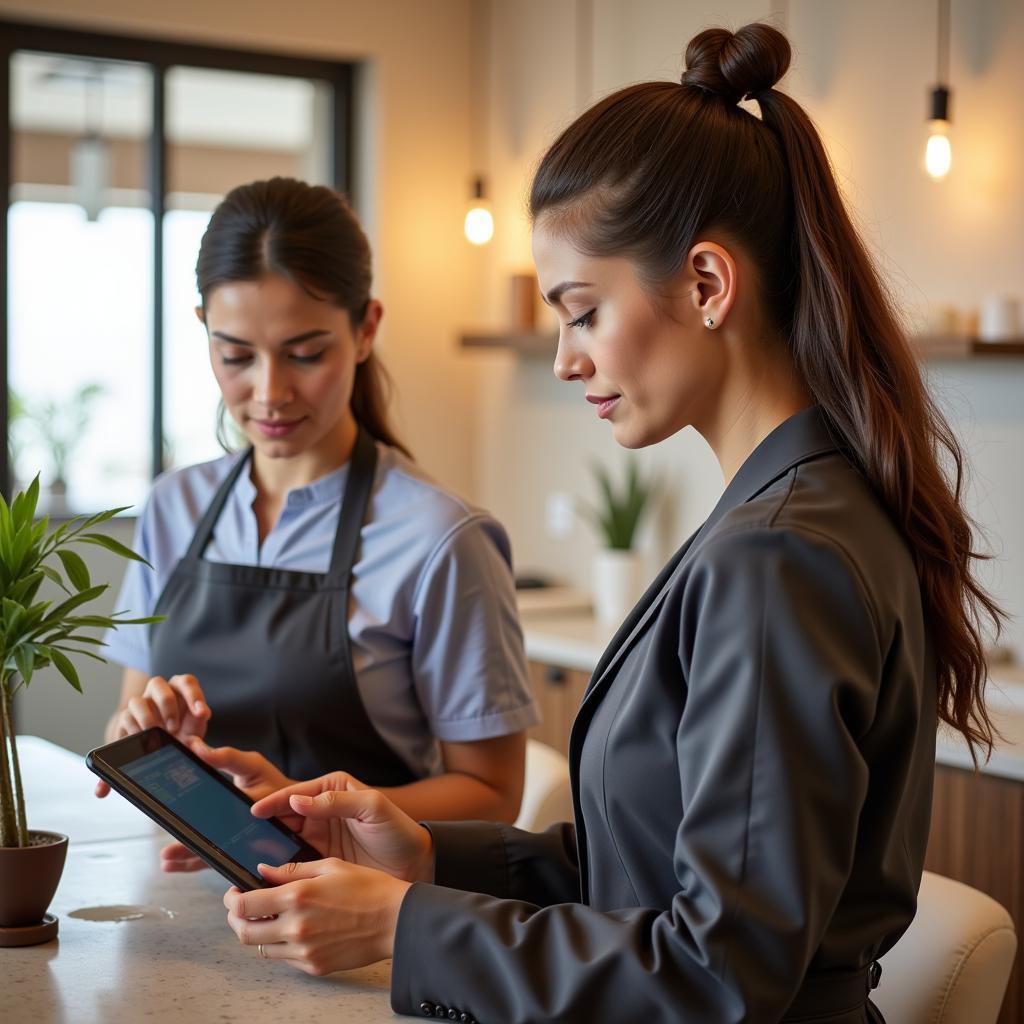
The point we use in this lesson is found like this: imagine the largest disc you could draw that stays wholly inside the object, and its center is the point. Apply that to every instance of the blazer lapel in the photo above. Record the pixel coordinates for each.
(634, 623)
(803, 436)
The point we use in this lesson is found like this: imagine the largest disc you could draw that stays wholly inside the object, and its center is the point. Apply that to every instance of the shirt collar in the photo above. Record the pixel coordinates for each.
(321, 491)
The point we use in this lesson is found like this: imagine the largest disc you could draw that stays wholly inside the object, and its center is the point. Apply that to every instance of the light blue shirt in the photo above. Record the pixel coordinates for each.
(436, 642)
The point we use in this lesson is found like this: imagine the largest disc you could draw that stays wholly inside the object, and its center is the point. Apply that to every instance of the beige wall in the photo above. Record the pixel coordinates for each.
(863, 70)
(413, 163)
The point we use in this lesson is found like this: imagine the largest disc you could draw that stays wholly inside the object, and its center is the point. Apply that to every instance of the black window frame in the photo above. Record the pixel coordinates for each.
(160, 55)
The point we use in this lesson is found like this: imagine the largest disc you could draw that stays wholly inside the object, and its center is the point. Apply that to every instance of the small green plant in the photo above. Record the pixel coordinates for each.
(61, 424)
(618, 513)
(36, 633)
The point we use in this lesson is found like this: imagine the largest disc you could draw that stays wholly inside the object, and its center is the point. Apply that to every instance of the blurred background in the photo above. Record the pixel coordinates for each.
(126, 123)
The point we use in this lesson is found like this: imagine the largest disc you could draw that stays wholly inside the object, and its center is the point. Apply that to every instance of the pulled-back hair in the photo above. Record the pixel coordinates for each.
(308, 234)
(646, 170)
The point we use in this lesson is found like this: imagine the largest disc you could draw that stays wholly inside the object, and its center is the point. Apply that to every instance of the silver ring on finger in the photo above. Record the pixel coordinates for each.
(263, 952)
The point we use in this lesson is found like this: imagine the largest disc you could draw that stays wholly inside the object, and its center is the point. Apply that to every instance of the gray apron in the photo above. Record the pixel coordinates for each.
(271, 647)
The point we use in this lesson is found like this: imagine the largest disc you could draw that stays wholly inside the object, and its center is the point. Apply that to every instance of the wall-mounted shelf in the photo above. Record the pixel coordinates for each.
(527, 343)
(930, 346)
(955, 346)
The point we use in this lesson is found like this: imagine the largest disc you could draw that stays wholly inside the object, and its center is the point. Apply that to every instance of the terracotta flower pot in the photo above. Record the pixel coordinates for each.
(28, 880)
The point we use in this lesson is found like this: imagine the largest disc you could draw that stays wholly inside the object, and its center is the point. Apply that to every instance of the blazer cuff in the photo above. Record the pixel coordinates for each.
(417, 917)
(469, 855)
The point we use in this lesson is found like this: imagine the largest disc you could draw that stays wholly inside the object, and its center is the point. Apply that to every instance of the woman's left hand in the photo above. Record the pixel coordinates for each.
(320, 916)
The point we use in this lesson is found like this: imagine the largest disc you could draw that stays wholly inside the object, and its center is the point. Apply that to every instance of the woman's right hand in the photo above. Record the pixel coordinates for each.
(363, 826)
(176, 704)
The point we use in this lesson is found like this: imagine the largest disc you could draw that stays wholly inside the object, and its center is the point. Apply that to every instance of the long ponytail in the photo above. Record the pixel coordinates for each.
(848, 346)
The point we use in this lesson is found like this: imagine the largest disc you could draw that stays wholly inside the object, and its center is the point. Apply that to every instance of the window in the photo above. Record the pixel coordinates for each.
(120, 148)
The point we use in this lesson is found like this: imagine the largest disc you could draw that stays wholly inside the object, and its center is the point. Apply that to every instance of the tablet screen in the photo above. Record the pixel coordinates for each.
(211, 809)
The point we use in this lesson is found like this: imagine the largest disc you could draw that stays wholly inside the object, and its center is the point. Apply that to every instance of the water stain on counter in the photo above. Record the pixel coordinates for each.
(120, 912)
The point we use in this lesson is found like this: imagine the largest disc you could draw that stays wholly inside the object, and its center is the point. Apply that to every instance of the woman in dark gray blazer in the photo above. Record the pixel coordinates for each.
(752, 764)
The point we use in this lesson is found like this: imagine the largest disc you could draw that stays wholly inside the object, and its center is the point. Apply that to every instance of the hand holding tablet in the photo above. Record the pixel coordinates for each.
(198, 806)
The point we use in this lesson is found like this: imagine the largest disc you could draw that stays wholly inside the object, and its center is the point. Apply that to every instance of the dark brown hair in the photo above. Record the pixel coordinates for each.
(309, 234)
(647, 169)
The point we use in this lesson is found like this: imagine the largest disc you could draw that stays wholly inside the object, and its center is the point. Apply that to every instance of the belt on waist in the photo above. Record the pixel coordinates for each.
(831, 992)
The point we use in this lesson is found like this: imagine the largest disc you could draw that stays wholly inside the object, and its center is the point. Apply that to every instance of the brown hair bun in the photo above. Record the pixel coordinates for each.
(734, 65)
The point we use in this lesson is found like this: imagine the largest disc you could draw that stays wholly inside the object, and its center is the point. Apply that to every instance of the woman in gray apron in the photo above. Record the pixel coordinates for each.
(327, 605)
(752, 762)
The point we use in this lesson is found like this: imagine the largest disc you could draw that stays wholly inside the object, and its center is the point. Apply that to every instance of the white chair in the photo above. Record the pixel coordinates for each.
(952, 964)
(547, 797)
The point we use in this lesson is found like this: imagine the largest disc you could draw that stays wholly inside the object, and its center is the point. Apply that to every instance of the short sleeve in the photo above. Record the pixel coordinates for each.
(468, 661)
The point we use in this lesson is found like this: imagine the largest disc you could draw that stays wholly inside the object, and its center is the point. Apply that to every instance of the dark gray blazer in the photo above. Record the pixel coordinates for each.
(752, 777)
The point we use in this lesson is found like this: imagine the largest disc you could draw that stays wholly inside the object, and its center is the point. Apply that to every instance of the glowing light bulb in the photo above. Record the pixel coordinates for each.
(938, 154)
(479, 225)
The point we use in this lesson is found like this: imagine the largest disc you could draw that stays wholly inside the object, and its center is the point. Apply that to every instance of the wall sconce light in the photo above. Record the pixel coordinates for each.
(479, 223)
(938, 154)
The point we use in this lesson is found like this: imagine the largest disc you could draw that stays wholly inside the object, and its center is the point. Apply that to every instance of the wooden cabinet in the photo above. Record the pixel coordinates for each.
(558, 692)
(977, 837)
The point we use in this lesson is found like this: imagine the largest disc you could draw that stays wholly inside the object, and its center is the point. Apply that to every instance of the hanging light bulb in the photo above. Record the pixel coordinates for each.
(479, 223)
(938, 153)
(90, 173)
(90, 154)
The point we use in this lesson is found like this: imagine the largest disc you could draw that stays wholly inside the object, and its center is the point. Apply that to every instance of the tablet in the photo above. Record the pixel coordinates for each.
(198, 805)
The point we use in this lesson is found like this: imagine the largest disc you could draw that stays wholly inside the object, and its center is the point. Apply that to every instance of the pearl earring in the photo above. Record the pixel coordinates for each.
(709, 322)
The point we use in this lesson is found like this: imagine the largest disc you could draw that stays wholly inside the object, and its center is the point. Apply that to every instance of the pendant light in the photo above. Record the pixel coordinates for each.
(479, 223)
(938, 154)
(90, 152)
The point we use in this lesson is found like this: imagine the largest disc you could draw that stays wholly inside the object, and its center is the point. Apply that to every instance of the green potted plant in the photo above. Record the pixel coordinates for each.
(617, 577)
(35, 633)
(61, 425)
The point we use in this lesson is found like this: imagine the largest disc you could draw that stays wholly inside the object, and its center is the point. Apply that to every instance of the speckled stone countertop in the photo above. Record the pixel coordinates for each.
(172, 956)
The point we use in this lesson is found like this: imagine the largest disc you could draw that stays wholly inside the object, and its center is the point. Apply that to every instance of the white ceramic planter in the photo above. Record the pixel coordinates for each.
(617, 582)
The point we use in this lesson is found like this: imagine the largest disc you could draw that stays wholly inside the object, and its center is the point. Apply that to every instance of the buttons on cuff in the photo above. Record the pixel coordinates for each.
(437, 1010)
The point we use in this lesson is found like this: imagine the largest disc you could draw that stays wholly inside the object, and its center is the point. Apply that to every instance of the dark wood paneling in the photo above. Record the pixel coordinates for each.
(558, 692)
(977, 837)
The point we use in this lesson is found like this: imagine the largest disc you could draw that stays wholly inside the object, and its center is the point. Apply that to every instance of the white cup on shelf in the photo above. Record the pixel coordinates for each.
(1000, 319)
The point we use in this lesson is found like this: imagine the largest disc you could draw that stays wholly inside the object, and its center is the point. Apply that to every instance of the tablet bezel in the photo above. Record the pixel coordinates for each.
(107, 761)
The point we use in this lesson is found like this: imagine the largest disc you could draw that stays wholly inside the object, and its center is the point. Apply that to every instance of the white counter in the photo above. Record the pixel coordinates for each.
(573, 639)
(1005, 700)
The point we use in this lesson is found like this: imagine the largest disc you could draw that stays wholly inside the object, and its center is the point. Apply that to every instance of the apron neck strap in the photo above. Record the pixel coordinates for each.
(358, 487)
(205, 528)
